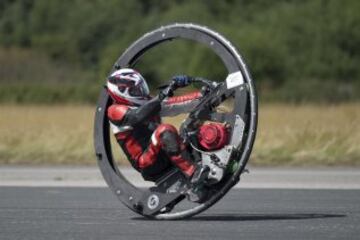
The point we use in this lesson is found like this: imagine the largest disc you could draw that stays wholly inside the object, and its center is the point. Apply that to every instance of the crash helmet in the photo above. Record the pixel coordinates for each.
(127, 86)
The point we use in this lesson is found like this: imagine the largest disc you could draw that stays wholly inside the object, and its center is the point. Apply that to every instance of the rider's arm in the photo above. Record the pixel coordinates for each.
(183, 99)
(180, 104)
(127, 116)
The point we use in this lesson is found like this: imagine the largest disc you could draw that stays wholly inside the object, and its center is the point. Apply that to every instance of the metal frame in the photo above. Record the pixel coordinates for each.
(124, 190)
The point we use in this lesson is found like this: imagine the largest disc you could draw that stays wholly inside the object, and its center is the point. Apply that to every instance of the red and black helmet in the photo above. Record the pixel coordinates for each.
(127, 86)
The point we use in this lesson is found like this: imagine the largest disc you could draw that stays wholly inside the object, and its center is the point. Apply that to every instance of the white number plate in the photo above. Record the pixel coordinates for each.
(234, 79)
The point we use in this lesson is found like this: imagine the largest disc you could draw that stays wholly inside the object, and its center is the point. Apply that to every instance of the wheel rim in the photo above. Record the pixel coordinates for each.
(126, 191)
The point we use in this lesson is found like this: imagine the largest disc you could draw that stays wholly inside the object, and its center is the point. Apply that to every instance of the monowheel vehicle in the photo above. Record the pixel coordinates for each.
(220, 139)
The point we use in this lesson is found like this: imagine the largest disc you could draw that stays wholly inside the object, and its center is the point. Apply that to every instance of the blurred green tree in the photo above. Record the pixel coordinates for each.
(297, 50)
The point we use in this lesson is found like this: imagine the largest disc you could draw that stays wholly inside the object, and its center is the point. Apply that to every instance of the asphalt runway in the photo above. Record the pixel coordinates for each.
(95, 213)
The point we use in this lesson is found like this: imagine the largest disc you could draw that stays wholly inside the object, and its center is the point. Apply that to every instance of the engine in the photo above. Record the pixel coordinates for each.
(213, 136)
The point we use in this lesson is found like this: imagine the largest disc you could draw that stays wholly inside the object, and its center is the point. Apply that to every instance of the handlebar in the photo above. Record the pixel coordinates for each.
(167, 90)
(205, 81)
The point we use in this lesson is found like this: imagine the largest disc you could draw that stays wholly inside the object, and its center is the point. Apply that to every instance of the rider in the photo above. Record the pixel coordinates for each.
(135, 118)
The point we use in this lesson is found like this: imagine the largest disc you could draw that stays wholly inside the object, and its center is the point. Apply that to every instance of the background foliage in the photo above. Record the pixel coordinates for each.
(61, 51)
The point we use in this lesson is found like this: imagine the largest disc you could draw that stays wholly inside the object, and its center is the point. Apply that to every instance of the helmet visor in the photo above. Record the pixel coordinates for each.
(139, 90)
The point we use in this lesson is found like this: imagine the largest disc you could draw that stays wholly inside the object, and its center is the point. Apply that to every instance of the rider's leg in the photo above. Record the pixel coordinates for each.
(167, 138)
(174, 147)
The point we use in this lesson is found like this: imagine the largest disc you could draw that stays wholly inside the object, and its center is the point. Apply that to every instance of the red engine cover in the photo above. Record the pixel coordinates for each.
(213, 136)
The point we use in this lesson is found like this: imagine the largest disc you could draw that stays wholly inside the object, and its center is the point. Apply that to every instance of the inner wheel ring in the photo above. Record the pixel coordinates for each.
(124, 190)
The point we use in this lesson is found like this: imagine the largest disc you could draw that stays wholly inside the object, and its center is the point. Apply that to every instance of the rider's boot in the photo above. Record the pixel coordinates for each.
(200, 175)
(182, 162)
(198, 191)
(181, 158)
(197, 173)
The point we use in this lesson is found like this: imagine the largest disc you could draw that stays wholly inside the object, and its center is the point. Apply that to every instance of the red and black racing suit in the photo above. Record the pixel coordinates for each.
(151, 146)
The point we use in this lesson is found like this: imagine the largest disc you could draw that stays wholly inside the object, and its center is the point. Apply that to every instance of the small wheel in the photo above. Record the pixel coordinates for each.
(159, 202)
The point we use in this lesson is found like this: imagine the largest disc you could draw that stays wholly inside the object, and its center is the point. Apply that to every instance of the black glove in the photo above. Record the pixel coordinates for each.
(166, 92)
(181, 81)
(176, 82)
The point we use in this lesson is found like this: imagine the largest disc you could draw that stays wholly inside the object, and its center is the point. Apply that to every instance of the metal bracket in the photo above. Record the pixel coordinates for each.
(238, 132)
(217, 162)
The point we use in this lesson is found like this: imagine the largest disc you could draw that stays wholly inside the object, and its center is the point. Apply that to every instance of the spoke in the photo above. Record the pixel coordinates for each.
(241, 101)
